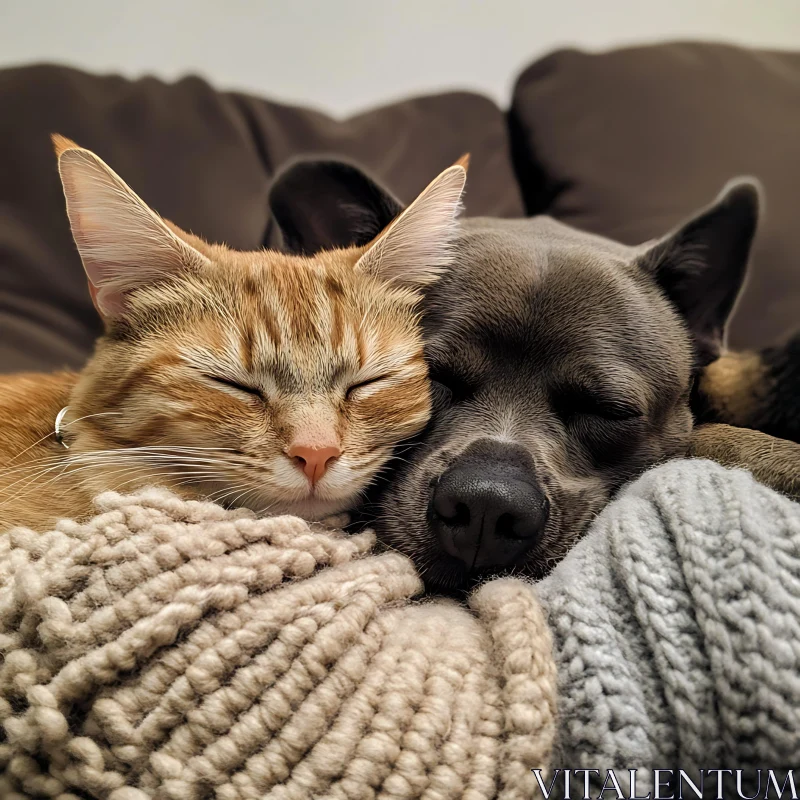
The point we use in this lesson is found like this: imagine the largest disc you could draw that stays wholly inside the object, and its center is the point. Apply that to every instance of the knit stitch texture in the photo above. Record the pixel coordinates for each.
(172, 649)
(676, 626)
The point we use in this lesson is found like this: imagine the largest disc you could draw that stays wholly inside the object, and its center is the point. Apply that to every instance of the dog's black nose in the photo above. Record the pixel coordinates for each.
(488, 514)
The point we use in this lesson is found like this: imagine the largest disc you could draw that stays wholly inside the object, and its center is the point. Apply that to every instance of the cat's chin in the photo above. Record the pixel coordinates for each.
(311, 508)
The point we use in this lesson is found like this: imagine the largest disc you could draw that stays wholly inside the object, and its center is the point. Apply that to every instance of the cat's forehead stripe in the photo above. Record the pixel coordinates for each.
(248, 338)
(333, 286)
(271, 327)
(361, 344)
(337, 326)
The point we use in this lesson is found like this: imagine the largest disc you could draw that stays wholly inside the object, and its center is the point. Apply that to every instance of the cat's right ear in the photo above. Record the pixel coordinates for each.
(319, 205)
(417, 246)
(123, 244)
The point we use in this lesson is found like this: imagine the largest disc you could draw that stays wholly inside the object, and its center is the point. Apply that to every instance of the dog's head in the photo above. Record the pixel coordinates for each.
(562, 366)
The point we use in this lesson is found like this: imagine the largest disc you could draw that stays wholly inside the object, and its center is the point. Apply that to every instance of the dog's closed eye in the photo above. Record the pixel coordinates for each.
(611, 409)
(604, 424)
(573, 403)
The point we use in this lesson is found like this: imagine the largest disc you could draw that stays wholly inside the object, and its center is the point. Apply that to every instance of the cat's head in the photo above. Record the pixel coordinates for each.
(277, 382)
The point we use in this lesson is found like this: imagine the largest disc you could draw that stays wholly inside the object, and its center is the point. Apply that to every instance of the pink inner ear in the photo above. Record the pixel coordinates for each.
(106, 302)
(123, 244)
(93, 295)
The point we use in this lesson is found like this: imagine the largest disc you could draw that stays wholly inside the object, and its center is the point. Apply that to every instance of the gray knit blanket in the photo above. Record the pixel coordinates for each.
(677, 629)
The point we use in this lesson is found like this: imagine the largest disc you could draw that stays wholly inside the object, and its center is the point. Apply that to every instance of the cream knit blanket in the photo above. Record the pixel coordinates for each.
(172, 649)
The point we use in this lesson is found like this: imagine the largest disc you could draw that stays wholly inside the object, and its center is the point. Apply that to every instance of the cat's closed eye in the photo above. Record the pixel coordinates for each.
(239, 387)
(356, 386)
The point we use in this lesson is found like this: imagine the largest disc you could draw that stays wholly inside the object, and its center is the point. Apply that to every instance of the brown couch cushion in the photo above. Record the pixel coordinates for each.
(203, 159)
(627, 143)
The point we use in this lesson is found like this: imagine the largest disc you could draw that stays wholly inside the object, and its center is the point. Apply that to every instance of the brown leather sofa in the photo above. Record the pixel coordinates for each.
(624, 143)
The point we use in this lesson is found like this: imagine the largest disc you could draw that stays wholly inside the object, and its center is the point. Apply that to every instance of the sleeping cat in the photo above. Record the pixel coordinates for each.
(280, 383)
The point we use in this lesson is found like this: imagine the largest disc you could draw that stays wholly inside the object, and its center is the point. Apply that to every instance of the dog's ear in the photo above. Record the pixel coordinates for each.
(701, 266)
(324, 204)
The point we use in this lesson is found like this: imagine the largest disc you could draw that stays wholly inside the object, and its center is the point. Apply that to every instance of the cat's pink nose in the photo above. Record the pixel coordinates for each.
(314, 461)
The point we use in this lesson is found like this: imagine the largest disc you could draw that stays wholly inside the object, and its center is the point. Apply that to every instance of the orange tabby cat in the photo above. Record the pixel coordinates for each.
(276, 382)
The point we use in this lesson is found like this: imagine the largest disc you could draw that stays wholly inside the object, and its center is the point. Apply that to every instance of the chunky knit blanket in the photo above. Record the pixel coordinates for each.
(172, 649)
(676, 627)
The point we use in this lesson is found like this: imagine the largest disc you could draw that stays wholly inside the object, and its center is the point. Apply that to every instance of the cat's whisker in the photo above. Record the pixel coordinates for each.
(152, 478)
(38, 441)
(220, 494)
(31, 478)
(157, 454)
(262, 511)
(81, 462)
(100, 458)
(210, 476)
(154, 460)
(191, 477)
(122, 462)
(249, 491)
(208, 470)
(69, 469)
(242, 492)
(156, 465)
(165, 449)
(29, 469)
(118, 453)
(36, 463)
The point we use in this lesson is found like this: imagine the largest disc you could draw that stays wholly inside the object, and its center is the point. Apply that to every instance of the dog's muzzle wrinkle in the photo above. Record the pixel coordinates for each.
(488, 509)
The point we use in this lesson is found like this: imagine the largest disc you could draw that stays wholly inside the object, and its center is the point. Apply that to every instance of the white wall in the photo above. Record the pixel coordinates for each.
(345, 55)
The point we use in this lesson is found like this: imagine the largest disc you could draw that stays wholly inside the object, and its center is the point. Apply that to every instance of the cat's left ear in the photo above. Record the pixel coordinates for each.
(417, 246)
(123, 244)
(701, 266)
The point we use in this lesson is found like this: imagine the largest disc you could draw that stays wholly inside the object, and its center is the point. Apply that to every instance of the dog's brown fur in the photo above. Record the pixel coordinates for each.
(735, 386)
(772, 461)
(748, 404)
(755, 389)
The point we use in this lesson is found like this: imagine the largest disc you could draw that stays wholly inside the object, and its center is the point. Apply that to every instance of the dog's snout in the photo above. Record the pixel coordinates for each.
(488, 514)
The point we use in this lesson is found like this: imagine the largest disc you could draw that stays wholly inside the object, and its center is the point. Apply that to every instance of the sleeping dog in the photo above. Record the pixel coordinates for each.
(563, 365)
